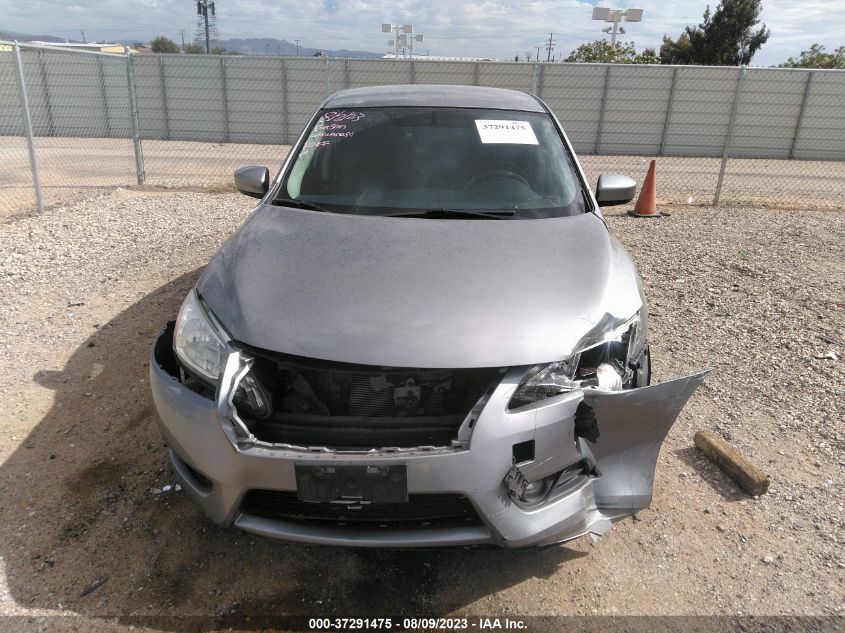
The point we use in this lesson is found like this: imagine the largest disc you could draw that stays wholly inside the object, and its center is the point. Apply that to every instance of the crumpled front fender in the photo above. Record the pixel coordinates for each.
(618, 434)
(632, 425)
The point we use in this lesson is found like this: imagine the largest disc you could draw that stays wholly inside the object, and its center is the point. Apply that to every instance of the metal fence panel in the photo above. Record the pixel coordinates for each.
(15, 174)
(512, 75)
(767, 114)
(307, 75)
(701, 111)
(635, 110)
(452, 73)
(372, 72)
(153, 98)
(196, 108)
(822, 131)
(200, 116)
(11, 122)
(574, 93)
(255, 105)
(72, 94)
(336, 75)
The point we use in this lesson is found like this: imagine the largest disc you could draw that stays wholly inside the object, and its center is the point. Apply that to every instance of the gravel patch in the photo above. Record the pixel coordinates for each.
(98, 248)
(756, 294)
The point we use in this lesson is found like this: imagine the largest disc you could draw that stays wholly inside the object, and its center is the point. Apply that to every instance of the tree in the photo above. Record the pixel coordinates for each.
(602, 51)
(194, 49)
(163, 44)
(726, 37)
(816, 57)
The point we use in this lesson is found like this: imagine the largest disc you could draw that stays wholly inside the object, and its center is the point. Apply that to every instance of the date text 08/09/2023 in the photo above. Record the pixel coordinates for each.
(440, 624)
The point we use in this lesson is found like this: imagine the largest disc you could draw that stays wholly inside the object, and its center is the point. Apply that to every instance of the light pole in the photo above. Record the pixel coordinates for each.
(616, 16)
(403, 39)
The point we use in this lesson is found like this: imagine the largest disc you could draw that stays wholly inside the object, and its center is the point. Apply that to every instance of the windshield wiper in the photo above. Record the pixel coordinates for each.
(443, 213)
(299, 204)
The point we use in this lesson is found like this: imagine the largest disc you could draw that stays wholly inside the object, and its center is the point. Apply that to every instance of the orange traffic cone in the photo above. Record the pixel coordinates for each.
(646, 206)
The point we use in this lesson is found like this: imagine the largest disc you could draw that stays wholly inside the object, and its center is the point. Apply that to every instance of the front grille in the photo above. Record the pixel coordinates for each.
(421, 511)
(357, 432)
(354, 407)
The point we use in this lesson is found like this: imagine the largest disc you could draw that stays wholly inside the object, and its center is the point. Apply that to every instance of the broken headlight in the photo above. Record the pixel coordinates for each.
(603, 362)
(197, 340)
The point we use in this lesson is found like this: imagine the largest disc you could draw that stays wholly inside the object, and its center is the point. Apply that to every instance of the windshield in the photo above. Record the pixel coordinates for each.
(416, 161)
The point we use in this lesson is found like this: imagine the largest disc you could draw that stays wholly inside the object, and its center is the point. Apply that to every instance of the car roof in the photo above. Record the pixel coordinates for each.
(436, 96)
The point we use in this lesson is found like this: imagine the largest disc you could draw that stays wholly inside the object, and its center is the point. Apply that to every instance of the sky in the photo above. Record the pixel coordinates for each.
(472, 28)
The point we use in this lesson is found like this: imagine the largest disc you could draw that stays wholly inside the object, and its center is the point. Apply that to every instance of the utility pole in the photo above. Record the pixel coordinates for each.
(538, 54)
(203, 6)
(182, 35)
(84, 41)
(550, 47)
(297, 47)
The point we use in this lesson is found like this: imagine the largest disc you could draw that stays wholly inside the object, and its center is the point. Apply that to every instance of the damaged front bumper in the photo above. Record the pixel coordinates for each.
(581, 486)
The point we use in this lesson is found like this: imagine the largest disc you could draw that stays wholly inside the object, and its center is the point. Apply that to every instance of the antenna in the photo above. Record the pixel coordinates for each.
(203, 7)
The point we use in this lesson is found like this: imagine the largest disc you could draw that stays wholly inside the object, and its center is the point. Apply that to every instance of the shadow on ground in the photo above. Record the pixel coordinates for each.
(81, 528)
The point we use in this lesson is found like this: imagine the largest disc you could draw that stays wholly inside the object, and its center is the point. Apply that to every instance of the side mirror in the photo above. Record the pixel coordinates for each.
(613, 189)
(253, 181)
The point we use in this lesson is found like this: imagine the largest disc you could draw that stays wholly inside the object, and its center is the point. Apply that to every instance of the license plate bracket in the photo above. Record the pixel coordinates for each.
(332, 483)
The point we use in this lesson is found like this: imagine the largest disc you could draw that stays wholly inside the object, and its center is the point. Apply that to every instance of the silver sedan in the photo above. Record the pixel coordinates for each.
(423, 335)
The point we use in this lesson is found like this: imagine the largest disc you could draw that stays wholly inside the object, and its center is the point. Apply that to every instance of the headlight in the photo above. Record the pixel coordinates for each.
(603, 365)
(197, 341)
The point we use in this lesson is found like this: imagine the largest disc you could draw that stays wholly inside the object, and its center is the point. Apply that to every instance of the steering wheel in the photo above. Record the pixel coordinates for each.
(494, 174)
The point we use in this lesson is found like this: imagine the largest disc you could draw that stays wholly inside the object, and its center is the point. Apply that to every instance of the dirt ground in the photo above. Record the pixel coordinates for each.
(86, 533)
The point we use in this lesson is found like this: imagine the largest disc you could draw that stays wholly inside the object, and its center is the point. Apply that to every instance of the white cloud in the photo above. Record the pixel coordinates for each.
(498, 28)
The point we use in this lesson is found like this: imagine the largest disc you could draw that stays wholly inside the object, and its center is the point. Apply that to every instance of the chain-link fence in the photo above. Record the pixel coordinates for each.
(73, 121)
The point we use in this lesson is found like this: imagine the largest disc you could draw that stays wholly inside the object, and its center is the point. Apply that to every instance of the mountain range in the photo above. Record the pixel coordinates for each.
(273, 46)
(244, 46)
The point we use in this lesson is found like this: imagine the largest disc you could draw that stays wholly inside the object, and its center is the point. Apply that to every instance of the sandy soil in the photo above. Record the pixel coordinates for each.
(85, 532)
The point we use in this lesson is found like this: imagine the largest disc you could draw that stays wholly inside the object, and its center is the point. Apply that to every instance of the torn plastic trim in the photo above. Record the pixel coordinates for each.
(163, 354)
(235, 367)
(510, 377)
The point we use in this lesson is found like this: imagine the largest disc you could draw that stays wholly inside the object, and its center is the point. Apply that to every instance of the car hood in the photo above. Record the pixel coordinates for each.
(411, 292)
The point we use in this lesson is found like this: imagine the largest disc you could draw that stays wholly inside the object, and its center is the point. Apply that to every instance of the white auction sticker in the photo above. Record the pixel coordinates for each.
(514, 132)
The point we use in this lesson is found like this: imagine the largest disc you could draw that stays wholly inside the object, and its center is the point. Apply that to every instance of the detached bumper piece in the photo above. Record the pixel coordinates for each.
(532, 476)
